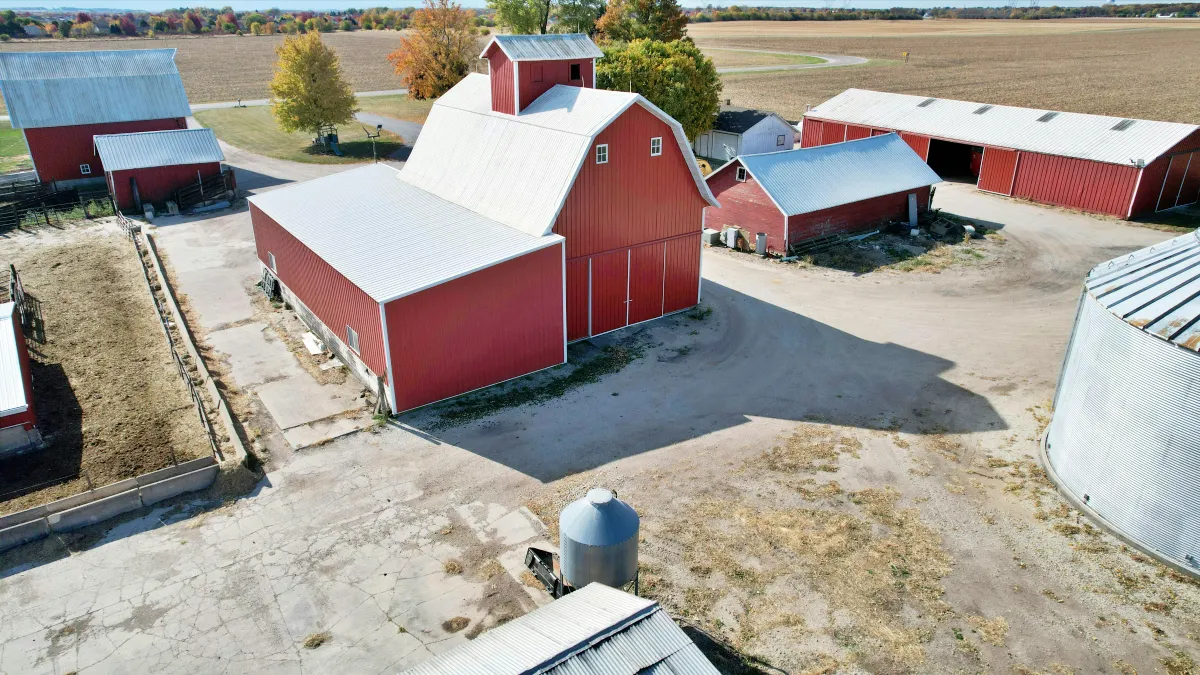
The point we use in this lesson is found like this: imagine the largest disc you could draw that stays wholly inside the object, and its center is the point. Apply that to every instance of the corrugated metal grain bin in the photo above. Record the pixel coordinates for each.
(599, 540)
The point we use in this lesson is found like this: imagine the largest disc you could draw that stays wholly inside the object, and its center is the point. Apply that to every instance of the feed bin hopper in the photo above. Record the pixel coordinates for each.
(598, 541)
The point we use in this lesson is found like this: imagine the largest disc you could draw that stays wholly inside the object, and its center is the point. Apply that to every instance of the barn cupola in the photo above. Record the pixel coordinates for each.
(523, 67)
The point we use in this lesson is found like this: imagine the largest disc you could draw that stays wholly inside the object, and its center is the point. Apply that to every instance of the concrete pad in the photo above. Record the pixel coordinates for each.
(255, 354)
(218, 295)
(299, 400)
(325, 430)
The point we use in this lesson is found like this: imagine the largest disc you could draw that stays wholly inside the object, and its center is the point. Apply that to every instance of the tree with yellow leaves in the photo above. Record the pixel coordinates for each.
(308, 91)
(438, 53)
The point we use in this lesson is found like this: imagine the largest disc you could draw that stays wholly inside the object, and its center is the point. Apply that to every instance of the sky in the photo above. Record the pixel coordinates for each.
(241, 5)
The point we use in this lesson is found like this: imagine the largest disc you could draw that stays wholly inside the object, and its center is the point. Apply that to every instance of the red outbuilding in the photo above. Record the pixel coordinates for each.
(1122, 167)
(794, 196)
(61, 100)
(18, 424)
(148, 167)
(509, 232)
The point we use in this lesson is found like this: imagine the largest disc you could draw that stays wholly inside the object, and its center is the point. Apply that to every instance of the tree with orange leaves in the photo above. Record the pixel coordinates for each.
(438, 53)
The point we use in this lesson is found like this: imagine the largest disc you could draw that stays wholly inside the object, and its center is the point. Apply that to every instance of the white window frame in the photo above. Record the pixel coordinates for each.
(602, 153)
(271, 262)
(85, 169)
(780, 140)
(739, 174)
(656, 146)
(352, 340)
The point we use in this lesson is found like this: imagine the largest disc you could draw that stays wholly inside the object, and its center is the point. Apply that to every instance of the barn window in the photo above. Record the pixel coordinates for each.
(537, 72)
(575, 72)
(741, 174)
(779, 140)
(602, 154)
(271, 262)
(656, 146)
(352, 339)
(85, 169)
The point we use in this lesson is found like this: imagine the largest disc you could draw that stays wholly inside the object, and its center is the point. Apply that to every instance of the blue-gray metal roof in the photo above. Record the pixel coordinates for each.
(812, 179)
(1156, 289)
(546, 47)
(599, 519)
(121, 152)
(596, 630)
(56, 89)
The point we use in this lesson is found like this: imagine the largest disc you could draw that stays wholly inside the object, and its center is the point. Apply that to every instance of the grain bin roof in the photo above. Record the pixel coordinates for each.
(55, 89)
(389, 238)
(1094, 137)
(121, 152)
(12, 378)
(1156, 289)
(545, 47)
(811, 179)
(596, 630)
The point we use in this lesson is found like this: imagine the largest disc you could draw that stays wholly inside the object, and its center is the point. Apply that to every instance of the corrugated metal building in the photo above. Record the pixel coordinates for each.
(61, 100)
(18, 423)
(1124, 442)
(744, 131)
(596, 630)
(526, 66)
(802, 194)
(1121, 167)
(147, 167)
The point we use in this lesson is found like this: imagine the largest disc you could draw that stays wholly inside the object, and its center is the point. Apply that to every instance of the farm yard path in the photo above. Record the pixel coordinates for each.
(831, 61)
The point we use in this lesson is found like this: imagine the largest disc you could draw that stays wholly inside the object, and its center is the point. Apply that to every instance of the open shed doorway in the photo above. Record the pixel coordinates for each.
(958, 162)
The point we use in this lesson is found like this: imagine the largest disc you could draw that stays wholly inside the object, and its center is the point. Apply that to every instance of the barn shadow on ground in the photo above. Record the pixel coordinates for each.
(60, 420)
(749, 359)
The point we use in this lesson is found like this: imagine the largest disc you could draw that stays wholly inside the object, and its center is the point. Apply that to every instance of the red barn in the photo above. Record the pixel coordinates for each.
(18, 424)
(506, 235)
(796, 195)
(148, 167)
(1121, 167)
(61, 100)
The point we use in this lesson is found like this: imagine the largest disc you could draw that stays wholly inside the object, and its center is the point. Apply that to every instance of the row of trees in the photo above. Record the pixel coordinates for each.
(738, 13)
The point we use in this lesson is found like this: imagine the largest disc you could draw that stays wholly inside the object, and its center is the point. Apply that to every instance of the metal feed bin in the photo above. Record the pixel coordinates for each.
(598, 541)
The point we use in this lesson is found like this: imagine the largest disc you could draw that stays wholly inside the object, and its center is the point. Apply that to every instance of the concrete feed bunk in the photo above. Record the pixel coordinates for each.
(1124, 443)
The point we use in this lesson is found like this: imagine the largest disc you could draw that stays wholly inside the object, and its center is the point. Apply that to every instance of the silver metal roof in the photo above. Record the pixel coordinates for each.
(599, 519)
(479, 159)
(377, 230)
(1095, 137)
(121, 152)
(545, 47)
(1156, 289)
(12, 380)
(596, 630)
(811, 179)
(54, 89)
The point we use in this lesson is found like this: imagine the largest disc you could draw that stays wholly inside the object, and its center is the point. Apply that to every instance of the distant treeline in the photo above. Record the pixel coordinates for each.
(740, 13)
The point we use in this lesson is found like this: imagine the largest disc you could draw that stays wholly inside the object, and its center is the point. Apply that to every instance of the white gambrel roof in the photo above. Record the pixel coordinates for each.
(553, 47)
(141, 150)
(55, 89)
(812, 179)
(390, 238)
(12, 379)
(1066, 134)
(519, 169)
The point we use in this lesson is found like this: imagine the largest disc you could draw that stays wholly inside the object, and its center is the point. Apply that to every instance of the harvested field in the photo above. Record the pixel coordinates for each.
(1121, 73)
(773, 29)
(109, 399)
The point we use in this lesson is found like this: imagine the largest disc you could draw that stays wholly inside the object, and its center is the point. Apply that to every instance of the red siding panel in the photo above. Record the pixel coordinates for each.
(1177, 168)
(330, 296)
(1192, 142)
(503, 84)
(919, 144)
(58, 151)
(810, 133)
(1148, 187)
(496, 324)
(854, 132)
(998, 170)
(681, 282)
(1075, 183)
(646, 282)
(854, 217)
(155, 185)
(577, 299)
(832, 132)
(610, 291)
(1189, 192)
(744, 204)
(879, 132)
(536, 77)
(28, 419)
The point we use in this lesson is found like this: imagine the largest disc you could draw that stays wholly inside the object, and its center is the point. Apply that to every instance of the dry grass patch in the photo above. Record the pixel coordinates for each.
(811, 448)
(992, 631)
(452, 567)
(456, 624)
(316, 640)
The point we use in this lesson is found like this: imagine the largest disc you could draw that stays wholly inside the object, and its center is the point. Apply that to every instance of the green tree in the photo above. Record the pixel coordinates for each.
(438, 52)
(675, 76)
(626, 20)
(64, 28)
(523, 17)
(308, 91)
(577, 16)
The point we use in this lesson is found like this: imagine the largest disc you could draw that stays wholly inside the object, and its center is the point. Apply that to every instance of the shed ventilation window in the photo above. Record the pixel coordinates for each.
(352, 339)
(271, 262)
(1123, 125)
(85, 169)
(926, 103)
(779, 140)
(602, 154)
(656, 146)
(741, 174)
(982, 109)
(575, 72)
(1047, 117)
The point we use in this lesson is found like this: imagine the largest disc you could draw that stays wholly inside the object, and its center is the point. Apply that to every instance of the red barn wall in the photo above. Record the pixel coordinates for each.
(919, 144)
(997, 172)
(832, 132)
(536, 77)
(58, 151)
(810, 132)
(854, 217)
(500, 71)
(1075, 183)
(744, 204)
(28, 419)
(854, 132)
(330, 296)
(496, 324)
(1189, 192)
(156, 184)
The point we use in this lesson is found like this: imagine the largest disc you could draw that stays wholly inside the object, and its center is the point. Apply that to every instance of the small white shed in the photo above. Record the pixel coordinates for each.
(744, 131)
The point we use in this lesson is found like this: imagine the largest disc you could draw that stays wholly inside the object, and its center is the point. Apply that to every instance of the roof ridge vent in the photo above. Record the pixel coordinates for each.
(1047, 117)
(982, 109)
(1122, 125)
(926, 103)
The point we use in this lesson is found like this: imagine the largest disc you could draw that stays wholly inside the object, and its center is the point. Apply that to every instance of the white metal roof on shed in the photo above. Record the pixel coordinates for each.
(596, 630)
(377, 231)
(12, 379)
(121, 152)
(1095, 137)
(1156, 289)
(811, 179)
(519, 169)
(551, 47)
(55, 89)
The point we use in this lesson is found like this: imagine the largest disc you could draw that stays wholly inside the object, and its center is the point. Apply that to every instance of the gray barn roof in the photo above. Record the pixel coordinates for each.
(596, 630)
(121, 152)
(56, 89)
(545, 47)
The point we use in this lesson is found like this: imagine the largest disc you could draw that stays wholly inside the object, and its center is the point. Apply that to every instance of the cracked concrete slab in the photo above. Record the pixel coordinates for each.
(300, 399)
(255, 354)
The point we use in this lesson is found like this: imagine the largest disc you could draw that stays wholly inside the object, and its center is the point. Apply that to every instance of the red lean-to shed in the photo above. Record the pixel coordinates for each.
(61, 100)
(1122, 167)
(148, 167)
(18, 423)
(797, 195)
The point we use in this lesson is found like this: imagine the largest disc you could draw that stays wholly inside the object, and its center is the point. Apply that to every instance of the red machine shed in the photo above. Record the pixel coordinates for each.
(1120, 167)
(18, 423)
(149, 167)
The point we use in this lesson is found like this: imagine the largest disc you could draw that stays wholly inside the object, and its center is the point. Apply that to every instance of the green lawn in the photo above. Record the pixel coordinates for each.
(399, 106)
(254, 130)
(14, 156)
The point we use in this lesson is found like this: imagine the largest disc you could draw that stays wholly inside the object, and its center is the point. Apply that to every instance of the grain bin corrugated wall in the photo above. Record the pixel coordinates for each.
(1125, 439)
